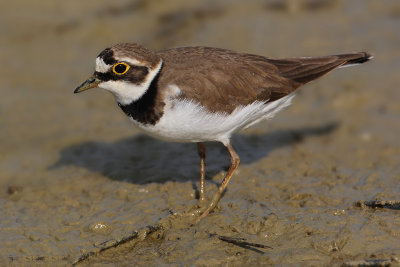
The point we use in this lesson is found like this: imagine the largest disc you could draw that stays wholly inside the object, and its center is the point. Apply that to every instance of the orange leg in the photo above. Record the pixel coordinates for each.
(235, 160)
(202, 154)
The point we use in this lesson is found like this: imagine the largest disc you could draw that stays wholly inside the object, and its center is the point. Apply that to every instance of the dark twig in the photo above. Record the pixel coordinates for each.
(371, 262)
(389, 204)
(241, 242)
(115, 243)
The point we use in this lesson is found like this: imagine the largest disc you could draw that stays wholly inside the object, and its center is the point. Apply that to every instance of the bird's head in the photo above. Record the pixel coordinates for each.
(126, 70)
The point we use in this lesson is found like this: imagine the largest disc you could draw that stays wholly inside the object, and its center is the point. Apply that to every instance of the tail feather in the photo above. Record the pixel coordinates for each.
(363, 57)
(304, 70)
(356, 58)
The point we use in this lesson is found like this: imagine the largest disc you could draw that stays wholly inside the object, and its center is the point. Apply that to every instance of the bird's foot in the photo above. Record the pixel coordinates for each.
(203, 209)
(197, 209)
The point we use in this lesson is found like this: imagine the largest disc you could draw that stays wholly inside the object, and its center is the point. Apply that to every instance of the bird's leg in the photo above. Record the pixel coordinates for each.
(201, 148)
(235, 160)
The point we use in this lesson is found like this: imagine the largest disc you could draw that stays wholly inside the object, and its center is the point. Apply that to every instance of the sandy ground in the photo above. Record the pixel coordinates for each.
(79, 184)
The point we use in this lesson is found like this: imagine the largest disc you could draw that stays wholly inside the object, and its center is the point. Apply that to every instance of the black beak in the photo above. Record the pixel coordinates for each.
(89, 83)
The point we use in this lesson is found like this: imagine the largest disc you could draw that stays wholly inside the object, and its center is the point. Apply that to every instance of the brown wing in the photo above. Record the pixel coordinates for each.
(222, 79)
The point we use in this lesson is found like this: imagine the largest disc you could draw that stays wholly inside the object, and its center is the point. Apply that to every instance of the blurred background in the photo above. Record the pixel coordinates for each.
(63, 154)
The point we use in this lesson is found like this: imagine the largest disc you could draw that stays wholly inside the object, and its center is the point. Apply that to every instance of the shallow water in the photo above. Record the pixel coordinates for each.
(77, 176)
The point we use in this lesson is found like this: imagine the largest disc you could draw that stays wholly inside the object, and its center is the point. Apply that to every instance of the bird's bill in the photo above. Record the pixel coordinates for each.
(89, 83)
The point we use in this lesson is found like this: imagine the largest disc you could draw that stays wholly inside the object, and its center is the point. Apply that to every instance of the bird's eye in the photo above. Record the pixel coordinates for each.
(120, 68)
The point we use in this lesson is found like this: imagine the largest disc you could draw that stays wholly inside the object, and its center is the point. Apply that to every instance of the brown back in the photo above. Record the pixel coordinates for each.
(222, 79)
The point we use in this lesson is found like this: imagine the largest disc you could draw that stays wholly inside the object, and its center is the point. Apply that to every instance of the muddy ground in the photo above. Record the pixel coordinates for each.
(79, 184)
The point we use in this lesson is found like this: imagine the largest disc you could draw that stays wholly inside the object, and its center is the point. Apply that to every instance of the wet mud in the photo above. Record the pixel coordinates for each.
(317, 185)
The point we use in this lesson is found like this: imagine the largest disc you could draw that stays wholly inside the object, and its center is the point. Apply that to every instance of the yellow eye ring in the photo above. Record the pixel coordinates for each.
(120, 68)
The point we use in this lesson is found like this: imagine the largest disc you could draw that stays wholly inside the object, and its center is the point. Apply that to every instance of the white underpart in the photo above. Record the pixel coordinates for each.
(126, 92)
(101, 66)
(173, 91)
(349, 65)
(187, 121)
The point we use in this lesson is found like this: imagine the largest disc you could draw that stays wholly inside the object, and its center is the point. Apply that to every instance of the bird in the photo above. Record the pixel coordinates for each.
(204, 94)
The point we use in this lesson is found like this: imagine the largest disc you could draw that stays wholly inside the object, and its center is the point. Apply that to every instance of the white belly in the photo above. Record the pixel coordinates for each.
(185, 121)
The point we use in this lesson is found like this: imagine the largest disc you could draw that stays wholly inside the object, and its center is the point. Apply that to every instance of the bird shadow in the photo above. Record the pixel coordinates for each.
(142, 159)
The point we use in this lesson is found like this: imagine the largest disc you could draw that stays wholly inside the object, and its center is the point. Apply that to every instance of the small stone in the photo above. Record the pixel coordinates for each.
(100, 228)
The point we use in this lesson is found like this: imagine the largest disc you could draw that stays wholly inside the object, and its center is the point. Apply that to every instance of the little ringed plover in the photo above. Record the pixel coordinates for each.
(201, 94)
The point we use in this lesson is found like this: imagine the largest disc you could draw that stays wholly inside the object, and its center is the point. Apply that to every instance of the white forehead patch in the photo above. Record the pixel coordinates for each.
(101, 66)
